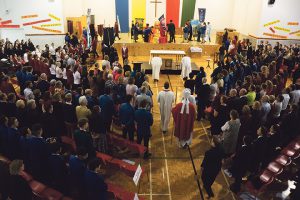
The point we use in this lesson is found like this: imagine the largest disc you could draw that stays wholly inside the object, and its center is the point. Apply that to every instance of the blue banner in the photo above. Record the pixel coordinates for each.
(202, 12)
(122, 15)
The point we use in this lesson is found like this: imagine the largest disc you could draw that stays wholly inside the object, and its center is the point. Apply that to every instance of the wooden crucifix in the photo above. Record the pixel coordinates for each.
(156, 2)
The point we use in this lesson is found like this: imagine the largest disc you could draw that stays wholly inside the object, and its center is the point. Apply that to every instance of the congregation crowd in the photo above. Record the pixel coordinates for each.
(251, 109)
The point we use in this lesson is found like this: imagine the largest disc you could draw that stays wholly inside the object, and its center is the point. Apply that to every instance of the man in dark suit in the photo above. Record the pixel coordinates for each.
(203, 98)
(240, 164)
(95, 186)
(43, 85)
(69, 110)
(171, 30)
(242, 100)
(107, 108)
(38, 154)
(127, 118)
(211, 166)
(77, 169)
(124, 53)
(233, 99)
(58, 169)
(259, 147)
(144, 121)
(83, 137)
(12, 140)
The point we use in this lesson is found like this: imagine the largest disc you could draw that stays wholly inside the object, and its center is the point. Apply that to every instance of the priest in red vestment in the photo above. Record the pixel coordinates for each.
(184, 114)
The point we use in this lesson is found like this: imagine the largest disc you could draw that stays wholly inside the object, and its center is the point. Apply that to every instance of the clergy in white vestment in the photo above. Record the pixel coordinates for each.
(156, 63)
(186, 68)
(165, 99)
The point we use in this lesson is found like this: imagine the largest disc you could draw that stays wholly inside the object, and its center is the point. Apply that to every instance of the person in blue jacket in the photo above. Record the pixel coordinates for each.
(95, 186)
(12, 140)
(107, 108)
(144, 121)
(77, 167)
(38, 154)
(127, 118)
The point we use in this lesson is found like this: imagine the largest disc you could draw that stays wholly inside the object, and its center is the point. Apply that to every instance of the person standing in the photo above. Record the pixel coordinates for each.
(190, 31)
(144, 121)
(171, 30)
(211, 166)
(127, 118)
(116, 29)
(186, 67)
(132, 29)
(124, 53)
(208, 31)
(156, 63)
(136, 32)
(203, 98)
(184, 114)
(165, 99)
(107, 108)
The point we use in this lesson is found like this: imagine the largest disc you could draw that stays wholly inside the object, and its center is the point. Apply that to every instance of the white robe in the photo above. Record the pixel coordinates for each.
(165, 99)
(156, 63)
(186, 67)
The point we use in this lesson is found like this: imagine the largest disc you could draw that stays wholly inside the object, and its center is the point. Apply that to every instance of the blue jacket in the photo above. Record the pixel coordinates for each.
(126, 114)
(12, 144)
(107, 106)
(144, 120)
(77, 168)
(95, 186)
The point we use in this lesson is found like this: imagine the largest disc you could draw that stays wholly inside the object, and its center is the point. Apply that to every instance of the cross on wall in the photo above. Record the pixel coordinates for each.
(155, 2)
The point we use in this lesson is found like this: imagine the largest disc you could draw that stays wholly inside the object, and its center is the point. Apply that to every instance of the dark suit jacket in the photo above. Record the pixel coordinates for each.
(69, 113)
(58, 172)
(19, 188)
(84, 139)
(96, 188)
(203, 94)
(240, 103)
(241, 161)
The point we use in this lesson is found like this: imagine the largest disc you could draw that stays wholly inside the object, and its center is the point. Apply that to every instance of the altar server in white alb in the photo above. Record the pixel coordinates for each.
(156, 63)
(186, 68)
(165, 99)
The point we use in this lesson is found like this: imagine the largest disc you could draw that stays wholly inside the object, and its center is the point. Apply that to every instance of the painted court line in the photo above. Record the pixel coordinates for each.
(227, 183)
(167, 168)
(150, 176)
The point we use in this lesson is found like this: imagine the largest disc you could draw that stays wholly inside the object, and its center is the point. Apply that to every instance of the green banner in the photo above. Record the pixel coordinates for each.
(188, 10)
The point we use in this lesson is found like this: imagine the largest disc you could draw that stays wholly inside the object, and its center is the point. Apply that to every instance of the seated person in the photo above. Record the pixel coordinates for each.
(19, 188)
(95, 186)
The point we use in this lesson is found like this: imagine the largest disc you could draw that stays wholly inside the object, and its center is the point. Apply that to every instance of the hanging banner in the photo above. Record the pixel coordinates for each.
(282, 29)
(275, 36)
(6, 22)
(188, 10)
(295, 32)
(202, 12)
(172, 11)
(122, 14)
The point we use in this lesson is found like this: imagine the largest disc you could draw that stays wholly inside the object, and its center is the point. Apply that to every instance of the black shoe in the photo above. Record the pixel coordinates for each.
(164, 132)
(147, 155)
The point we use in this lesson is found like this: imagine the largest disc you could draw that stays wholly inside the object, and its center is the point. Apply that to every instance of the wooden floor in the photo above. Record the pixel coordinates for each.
(170, 171)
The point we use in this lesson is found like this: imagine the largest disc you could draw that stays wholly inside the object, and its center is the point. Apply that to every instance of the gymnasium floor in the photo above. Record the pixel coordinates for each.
(170, 171)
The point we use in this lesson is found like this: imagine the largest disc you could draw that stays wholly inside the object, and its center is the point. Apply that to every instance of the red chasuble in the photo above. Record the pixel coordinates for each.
(184, 123)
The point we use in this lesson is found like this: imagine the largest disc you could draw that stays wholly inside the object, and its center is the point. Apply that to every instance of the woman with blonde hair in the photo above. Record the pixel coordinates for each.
(19, 188)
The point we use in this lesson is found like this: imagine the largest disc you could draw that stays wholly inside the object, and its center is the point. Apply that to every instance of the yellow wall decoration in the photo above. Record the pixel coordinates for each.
(293, 23)
(275, 35)
(54, 17)
(295, 32)
(46, 29)
(49, 25)
(271, 23)
(28, 16)
(282, 29)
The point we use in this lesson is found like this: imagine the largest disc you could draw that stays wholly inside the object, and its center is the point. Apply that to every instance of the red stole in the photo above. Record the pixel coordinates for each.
(184, 123)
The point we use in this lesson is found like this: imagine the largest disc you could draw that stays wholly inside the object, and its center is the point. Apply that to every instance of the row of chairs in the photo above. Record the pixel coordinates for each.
(290, 153)
(114, 163)
(40, 190)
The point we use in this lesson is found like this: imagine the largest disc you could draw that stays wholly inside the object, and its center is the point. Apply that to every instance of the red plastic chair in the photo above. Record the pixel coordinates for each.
(26, 176)
(267, 177)
(275, 167)
(290, 152)
(104, 158)
(283, 160)
(66, 198)
(37, 188)
(51, 194)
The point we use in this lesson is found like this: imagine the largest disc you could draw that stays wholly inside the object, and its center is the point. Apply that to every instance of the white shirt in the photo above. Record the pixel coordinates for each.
(285, 102)
(59, 73)
(77, 78)
(52, 50)
(65, 74)
(53, 69)
(295, 97)
(26, 57)
(28, 94)
(58, 58)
